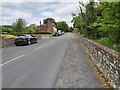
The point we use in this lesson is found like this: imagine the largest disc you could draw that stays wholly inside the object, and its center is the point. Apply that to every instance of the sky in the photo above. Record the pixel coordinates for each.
(35, 11)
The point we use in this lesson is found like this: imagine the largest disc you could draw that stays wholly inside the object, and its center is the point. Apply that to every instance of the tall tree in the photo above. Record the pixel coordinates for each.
(7, 29)
(100, 21)
(19, 26)
(62, 26)
(49, 19)
(111, 20)
(90, 18)
(32, 29)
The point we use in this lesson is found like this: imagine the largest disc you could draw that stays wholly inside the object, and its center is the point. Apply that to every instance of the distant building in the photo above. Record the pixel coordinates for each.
(48, 27)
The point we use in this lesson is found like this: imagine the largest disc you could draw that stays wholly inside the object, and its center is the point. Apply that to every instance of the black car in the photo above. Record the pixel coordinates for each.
(25, 39)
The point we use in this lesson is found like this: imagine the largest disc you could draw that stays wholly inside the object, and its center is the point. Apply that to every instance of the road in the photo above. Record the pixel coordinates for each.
(34, 66)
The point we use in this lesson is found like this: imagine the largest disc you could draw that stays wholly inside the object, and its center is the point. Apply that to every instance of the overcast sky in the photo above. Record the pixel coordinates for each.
(34, 12)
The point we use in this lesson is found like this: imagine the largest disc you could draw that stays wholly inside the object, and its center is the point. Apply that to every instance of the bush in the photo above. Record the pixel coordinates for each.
(45, 32)
(107, 42)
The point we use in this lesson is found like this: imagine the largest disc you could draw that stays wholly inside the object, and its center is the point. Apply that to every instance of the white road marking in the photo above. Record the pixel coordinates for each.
(37, 49)
(41, 47)
(22, 55)
(12, 60)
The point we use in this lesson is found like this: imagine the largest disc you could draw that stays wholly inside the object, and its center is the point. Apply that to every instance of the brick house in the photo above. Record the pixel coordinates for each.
(48, 27)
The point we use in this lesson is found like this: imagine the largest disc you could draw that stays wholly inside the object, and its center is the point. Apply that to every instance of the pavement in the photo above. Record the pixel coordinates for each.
(34, 66)
(76, 71)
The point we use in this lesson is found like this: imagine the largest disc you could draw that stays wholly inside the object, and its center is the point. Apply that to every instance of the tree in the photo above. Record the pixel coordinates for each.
(32, 29)
(101, 21)
(19, 26)
(79, 22)
(62, 26)
(107, 21)
(7, 29)
(71, 29)
(89, 20)
(111, 19)
(49, 19)
(76, 20)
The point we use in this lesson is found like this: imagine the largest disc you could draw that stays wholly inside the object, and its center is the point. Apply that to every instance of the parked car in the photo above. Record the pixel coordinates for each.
(25, 39)
(59, 32)
(63, 33)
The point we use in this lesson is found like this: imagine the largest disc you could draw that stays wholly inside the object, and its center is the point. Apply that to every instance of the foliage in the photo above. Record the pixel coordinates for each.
(111, 20)
(62, 26)
(71, 29)
(7, 29)
(49, 19)
(19, 26)
(45, 32)
(32, 29)
(101, 20)
(107, 42)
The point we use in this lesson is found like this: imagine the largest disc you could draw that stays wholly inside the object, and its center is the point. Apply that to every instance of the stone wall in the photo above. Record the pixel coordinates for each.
(8, 42)
(107, 60)
(39, 36)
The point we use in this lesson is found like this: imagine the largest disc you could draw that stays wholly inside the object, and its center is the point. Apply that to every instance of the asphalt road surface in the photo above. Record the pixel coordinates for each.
(34, 66)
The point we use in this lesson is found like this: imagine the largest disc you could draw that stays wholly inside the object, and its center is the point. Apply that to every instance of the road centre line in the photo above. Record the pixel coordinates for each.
(12, 60)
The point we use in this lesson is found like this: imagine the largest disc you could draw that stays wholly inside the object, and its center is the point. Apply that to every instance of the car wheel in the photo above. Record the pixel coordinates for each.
(36, 41)
(16, 45)
(29, 42)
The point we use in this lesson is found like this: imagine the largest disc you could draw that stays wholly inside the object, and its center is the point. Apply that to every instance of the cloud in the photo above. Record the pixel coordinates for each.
(47, 14)
(33, 12)
(39, 1)
(10, 15)
(66, 8)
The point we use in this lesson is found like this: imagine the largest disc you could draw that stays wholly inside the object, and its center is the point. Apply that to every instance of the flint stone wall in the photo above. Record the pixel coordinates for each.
(107, 60)
(8, 42)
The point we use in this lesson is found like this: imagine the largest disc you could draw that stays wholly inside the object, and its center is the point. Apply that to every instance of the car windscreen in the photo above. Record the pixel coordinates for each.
(29, 36)
(20, 36)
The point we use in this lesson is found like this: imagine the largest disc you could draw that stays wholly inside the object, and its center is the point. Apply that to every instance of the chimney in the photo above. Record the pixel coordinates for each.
(40, 23)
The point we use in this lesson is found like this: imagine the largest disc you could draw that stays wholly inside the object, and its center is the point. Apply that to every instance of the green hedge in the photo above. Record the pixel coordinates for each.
(45, 32)
(39, 33)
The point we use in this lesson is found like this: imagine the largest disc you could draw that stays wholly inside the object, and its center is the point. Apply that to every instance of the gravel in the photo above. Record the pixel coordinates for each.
(76, 71)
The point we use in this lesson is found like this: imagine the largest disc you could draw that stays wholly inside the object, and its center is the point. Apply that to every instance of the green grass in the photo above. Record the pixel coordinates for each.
(108, 43)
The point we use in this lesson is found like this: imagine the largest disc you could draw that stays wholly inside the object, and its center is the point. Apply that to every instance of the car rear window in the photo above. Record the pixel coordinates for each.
(20, 36)
(23, 36)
